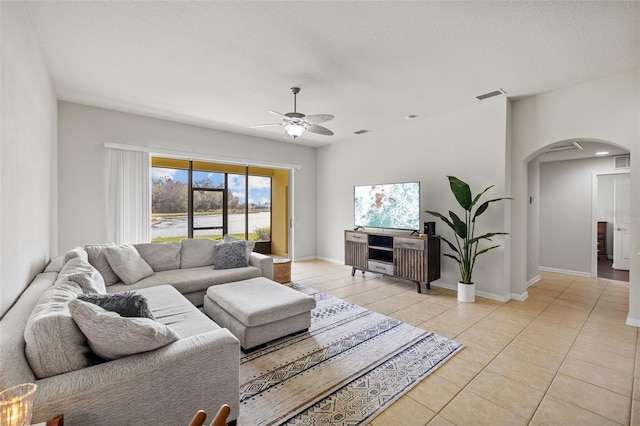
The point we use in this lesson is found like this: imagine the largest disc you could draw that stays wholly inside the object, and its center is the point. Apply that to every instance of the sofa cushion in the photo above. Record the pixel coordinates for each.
(82, 273)
(229, 255)
(99, 261)
(54, 343)
(125, 304)
(112, 336)
(199, 279)
(160, 256)
(196, 252)
(127, 263)
(171, 309)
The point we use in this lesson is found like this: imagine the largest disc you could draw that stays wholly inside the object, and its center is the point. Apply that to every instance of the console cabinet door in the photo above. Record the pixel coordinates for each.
(410, 262)
(356, 250)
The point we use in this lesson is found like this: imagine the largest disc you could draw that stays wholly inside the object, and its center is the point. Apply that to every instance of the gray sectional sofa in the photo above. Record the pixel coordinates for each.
(42, 342)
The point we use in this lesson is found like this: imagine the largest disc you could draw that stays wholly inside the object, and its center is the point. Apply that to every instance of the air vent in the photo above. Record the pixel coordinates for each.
(622, 161)
(491, 94)
(567, 147)
(359, 132)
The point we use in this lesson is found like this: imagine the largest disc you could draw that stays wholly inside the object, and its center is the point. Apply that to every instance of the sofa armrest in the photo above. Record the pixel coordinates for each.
(265, 263)
(164, 386)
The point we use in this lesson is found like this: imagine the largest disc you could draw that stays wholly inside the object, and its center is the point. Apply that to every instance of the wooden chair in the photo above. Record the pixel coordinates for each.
(219, 420)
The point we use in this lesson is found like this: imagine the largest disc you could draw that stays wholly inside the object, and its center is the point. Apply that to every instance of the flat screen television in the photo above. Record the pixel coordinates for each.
(389, 205)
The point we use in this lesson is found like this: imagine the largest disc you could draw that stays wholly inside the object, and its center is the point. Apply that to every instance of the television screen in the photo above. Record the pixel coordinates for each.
(392, 206)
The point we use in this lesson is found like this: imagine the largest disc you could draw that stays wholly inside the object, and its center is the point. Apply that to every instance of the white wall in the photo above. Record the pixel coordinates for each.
(27, 156)
(469, 144)
(606, 207)
(82, 163)
(566, 224)
(608, 110)
(533, 222)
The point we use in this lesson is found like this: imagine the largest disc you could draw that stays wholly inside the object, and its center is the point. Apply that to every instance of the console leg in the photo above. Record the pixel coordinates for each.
(353, 271)
(418, 284)
(428, 286)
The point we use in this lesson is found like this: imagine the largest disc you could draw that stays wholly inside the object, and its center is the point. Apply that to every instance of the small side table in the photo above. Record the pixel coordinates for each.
(282, 270)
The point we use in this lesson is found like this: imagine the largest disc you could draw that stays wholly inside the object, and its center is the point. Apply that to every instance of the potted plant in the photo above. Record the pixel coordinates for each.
(466, 248)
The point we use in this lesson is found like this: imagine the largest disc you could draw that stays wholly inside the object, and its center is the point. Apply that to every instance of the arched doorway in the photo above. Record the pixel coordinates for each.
(561, 209)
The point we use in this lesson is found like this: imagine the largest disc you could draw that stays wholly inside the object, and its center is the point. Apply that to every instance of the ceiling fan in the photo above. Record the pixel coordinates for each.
(296, 123)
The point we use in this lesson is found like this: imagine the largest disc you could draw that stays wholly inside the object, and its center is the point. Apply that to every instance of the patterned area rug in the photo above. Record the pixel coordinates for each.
(350, 365)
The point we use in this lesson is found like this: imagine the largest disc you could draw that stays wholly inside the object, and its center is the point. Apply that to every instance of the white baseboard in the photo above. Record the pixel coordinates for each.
(302, 259)
(484, 294)
(565, 271)
(533, 280)
(635, 322)
(328, 259)
(521, 297)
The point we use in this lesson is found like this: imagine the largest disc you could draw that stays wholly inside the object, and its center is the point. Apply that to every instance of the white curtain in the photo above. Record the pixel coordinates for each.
(129, 192)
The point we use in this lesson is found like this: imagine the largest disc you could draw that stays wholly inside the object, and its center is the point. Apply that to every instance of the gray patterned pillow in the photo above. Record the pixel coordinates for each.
(228, 255)
(126, 303)
(111, 336)
(250, 244)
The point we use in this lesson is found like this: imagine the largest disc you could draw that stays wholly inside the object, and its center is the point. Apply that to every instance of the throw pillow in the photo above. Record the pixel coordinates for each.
(86, 276)
(160, 256)
(74, 253)
(100, 262)
(197, 252)
(53, 342)
(228, 255)
(111, 336)
(126, 303)
(127, 263)
(250, 244)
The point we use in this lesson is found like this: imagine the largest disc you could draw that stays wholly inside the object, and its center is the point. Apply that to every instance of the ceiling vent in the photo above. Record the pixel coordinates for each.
(567, 147)
(359, 132)
(622, 161)
(491, 94)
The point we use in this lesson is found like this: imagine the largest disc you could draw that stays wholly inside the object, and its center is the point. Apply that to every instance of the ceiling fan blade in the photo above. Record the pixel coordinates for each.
(279, 114)
(314, 128)
(266, 125)
(318, 118)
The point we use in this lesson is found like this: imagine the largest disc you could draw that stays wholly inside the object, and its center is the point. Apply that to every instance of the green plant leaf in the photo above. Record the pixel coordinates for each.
(486, 236)
(461, 191)
(459, 226)
(451, 245)
(475, 200)
(444, 218)
(483, 207)
(484, 251)
(452, 257)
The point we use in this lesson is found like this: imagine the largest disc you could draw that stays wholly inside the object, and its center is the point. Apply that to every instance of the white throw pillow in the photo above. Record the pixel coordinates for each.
(111, 336)
(54, 343)
(127, 263)
(99, 261)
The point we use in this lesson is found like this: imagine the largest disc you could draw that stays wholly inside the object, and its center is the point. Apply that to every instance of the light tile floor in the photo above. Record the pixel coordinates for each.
(564, 356)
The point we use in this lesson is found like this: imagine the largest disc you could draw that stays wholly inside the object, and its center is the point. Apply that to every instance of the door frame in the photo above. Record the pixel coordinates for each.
(594, 218)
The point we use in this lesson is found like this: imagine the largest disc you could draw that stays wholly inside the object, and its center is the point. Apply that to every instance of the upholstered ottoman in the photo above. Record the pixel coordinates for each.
(258, 310)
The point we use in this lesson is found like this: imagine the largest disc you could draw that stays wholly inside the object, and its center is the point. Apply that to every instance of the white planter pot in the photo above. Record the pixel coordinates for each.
(466, 292)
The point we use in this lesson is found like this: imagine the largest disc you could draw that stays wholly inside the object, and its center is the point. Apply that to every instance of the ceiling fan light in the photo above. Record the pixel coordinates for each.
(294, 129)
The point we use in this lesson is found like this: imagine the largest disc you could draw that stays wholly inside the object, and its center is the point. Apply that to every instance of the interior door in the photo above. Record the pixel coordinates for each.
(621, 222)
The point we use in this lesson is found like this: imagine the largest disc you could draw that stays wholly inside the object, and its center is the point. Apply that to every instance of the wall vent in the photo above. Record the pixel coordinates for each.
(359, 132)
(622, 161)
(491, 94)
(566, 147)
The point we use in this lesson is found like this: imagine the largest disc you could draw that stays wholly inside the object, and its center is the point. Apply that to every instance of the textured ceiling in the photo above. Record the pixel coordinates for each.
(224, 64)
